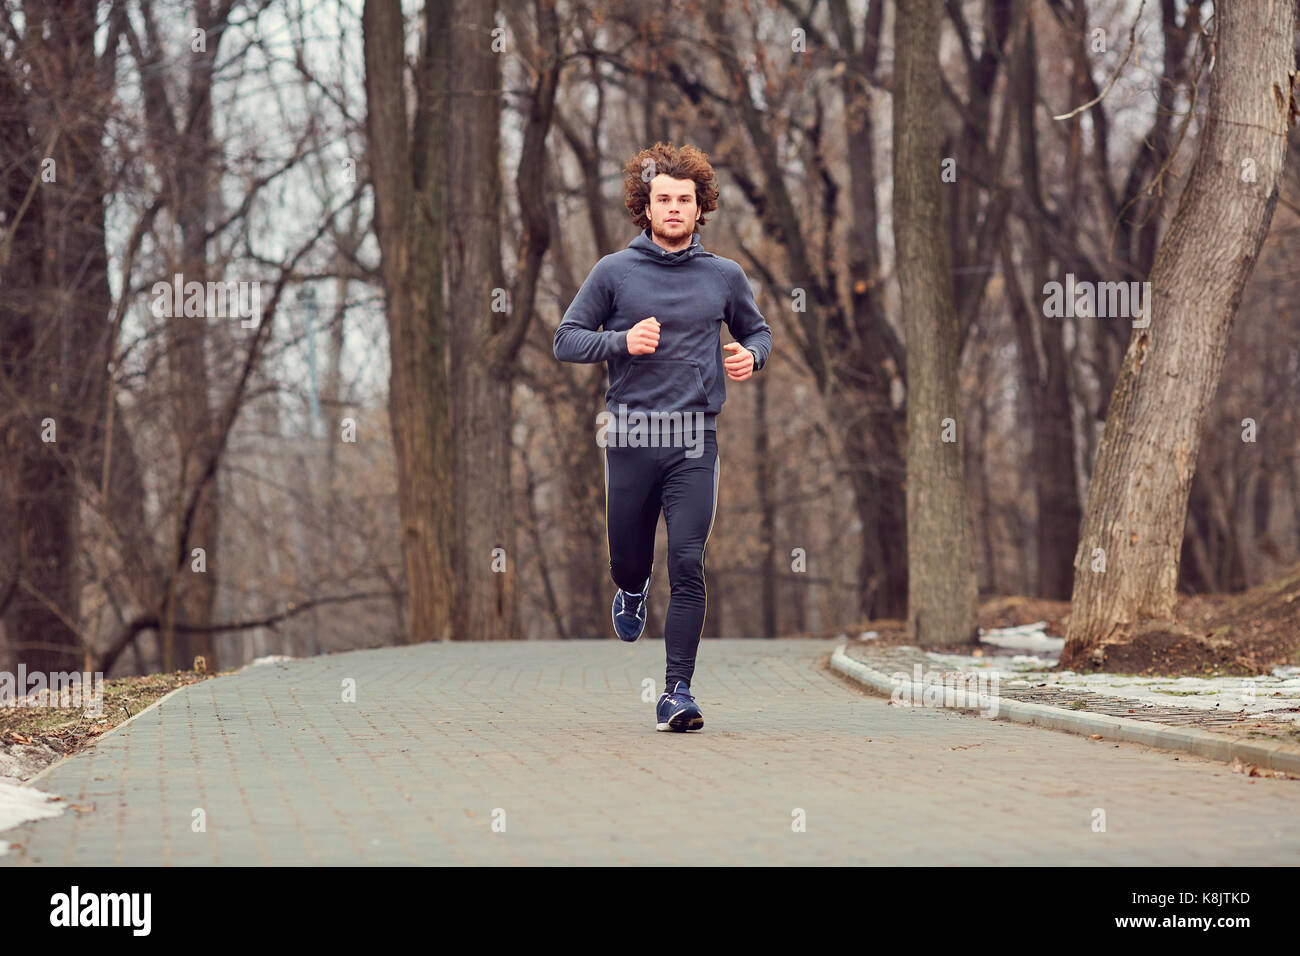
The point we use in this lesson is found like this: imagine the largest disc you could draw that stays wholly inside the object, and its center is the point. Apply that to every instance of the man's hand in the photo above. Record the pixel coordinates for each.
(643, 338)
(740, 363)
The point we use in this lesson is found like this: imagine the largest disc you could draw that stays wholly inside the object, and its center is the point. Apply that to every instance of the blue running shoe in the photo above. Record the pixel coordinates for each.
(628, 613)
(677, 710)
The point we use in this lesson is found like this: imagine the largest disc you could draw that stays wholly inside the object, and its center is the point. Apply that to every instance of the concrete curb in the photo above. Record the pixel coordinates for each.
(140, 713)
(108, 733)
(1202, 743)
(175, 690)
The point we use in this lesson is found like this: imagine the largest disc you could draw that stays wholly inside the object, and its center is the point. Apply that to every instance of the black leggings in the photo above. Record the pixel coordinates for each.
(638, 483)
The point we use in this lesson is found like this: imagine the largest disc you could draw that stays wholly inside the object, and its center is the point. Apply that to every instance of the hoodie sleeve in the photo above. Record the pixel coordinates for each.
(577, 338)
(747, 325)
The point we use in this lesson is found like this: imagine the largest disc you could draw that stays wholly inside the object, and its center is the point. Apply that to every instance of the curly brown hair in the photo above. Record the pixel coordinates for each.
(684, 162)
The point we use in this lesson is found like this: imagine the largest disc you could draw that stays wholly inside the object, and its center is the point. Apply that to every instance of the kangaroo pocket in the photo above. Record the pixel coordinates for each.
(661, 385)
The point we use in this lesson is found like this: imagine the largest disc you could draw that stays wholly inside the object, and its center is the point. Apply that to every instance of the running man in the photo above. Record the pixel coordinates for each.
(661, 303)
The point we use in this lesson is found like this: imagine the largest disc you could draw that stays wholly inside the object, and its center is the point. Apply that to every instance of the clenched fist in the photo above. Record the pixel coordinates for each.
(643, 338)
(739, 364)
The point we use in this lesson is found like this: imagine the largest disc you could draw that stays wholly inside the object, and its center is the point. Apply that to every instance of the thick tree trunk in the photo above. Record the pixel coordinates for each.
(482, 377)
(59, 321)
(409, 175)
(25, 519)
(1137, 503)
(941, 578)
(488, 322)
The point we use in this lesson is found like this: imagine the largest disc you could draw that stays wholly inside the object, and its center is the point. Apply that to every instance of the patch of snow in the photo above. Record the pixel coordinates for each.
(1008, 665)
(269, 659)
(1250, 695)
(21, 804)
(1025, 637)
(868, 635)
(1262, 693)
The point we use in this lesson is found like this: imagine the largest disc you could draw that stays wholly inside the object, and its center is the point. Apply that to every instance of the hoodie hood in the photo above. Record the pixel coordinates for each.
(648, 247)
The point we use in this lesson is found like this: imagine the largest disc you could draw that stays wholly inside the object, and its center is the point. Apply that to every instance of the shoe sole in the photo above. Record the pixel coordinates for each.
(682, 725)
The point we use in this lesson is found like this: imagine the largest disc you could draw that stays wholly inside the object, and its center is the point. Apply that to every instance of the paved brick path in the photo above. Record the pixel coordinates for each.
(556, 735)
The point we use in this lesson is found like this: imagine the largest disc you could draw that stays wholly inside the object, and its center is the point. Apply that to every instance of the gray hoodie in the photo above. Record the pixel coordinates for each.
(691, 293)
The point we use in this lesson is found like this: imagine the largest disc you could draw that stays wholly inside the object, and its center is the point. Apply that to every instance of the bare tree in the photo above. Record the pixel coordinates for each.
(941, 576)
(487, 332)
(409, 172)
(1126, 567)
(55, 94)
(184, 157)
